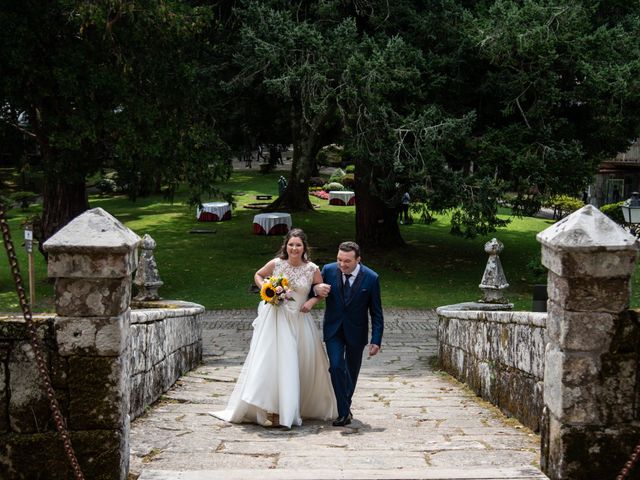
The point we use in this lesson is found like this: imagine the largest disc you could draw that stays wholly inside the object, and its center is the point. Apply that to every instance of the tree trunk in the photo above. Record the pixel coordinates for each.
(62, 202)
(376, 223)
(306, 144)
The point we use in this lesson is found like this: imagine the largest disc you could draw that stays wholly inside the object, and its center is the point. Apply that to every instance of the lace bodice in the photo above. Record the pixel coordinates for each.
(300, 277)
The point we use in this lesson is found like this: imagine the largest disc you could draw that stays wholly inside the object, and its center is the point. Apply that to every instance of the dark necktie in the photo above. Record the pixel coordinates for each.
(346, 290)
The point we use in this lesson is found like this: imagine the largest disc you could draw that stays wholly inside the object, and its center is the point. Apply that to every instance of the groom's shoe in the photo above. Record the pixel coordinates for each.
(342, 421)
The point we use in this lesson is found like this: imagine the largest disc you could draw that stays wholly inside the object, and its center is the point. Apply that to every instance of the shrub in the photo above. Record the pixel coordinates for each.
(320, 194)
(316, 181)
(349, 181)
(337, 175)
(418, 193)
(6, 201)
(350, 169)
(422, 209)
(613, 211)
(335, 186)
(563, 205)
(536, 269)
(106, 185)
(24, 198)
(322, 158)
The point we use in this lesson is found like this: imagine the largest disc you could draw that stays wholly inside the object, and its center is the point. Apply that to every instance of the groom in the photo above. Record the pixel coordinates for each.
(352, 292)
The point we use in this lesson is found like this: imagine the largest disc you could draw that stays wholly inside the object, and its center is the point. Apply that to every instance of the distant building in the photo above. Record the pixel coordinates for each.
(616, 178)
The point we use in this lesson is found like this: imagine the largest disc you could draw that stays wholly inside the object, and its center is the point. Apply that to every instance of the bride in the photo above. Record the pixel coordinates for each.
(285, 376)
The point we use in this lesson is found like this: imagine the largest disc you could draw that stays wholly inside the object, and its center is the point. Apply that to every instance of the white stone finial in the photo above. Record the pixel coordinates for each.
(147, 276)
(494, 282)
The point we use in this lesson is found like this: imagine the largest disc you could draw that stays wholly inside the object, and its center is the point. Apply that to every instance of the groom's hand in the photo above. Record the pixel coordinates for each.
(322, 289)
(373, 349)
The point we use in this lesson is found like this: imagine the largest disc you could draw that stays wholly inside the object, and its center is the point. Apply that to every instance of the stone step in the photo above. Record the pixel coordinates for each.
(472, 473)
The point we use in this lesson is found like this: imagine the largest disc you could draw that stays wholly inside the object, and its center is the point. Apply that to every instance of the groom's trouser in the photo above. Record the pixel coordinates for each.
(344, 366)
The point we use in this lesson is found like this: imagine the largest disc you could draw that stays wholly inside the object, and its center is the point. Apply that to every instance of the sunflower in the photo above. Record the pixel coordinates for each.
(267, 293)
(284, 282)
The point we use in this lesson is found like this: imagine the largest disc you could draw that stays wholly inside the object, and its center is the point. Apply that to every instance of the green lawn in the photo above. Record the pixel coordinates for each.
(216, 270)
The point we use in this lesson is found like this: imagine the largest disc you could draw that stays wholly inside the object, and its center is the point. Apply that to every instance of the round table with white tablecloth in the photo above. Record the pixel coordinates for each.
(213, 212)
(272, 223)
(337, 197)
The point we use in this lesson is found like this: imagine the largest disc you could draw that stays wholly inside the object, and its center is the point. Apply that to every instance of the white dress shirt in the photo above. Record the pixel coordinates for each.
(353, 276)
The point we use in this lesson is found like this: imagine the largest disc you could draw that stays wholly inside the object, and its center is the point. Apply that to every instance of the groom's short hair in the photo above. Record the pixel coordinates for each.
(350, 247)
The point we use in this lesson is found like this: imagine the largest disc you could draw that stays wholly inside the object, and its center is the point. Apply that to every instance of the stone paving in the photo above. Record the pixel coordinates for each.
(411, 420)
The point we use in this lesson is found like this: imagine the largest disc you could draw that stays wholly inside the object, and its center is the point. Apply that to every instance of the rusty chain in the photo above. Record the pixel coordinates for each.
(628, 467)
(37, 349)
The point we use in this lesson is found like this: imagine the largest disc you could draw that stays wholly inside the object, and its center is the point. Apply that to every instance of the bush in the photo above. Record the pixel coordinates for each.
(106, 185)
(536, 269)
(6, 201)
(316, 181)
(422, 209)
(348, 181)
(418, 193)
(322, 158)
(24, 198)
(320, 194)
(337, 175)
(614, 212)
(350, 169)
(563, 205)
(335, 186)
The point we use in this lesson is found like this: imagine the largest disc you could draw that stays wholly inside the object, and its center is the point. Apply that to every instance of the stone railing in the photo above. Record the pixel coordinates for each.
(106, 361)
(590, 420)
(166, 342)
(499, 354)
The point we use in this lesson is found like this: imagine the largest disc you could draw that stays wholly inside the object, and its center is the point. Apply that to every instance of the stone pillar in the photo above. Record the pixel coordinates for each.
(590, 421)
(92, 260)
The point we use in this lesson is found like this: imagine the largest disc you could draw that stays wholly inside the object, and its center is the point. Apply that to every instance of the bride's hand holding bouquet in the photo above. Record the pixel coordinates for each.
(276, 290)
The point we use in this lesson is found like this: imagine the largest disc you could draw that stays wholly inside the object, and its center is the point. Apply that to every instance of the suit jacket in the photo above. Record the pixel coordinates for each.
(353, 315)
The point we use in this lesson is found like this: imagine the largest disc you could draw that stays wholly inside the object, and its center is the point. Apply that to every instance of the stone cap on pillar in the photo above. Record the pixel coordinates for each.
(94, 244)
(587, 230)
(587, 242)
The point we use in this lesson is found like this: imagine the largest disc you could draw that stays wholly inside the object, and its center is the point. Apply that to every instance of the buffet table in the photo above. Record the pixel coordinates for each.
(213, 212)
(273, 223)
(337, 197)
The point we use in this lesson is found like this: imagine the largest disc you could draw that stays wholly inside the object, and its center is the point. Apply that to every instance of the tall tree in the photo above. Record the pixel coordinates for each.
(109, 84)
(295, 53)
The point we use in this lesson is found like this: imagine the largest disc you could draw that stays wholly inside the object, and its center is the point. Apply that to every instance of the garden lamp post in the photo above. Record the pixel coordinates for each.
(631, 211)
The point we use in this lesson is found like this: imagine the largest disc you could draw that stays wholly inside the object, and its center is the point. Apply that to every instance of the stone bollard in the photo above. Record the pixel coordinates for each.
(494, 283)
(590, 420)
(147, 277)
(92, 260)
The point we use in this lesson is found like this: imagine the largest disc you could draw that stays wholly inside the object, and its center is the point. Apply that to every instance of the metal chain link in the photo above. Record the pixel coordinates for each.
(628, 467)
(37, 349)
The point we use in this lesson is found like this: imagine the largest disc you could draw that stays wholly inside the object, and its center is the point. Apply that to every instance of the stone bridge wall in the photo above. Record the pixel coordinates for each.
(589, 351)
(165, 343)
(500, 355)
(106, 362)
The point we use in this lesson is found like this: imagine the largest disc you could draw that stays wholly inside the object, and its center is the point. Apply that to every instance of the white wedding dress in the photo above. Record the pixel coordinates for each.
(286, 371)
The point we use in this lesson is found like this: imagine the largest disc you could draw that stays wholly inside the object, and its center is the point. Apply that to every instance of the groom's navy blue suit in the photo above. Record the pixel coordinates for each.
(346, 328)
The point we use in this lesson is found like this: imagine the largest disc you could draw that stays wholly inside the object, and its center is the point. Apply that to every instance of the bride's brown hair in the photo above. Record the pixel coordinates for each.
(298, 233)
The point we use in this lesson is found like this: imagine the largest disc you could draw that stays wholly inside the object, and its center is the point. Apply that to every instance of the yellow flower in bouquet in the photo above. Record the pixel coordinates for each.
(276, 289)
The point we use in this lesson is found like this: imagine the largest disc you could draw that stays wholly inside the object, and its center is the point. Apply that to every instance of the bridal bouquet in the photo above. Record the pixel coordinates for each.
(275, 290)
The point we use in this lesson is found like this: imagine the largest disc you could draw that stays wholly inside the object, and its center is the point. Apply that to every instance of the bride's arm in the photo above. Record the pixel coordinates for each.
(263, 273)
(309, 304)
